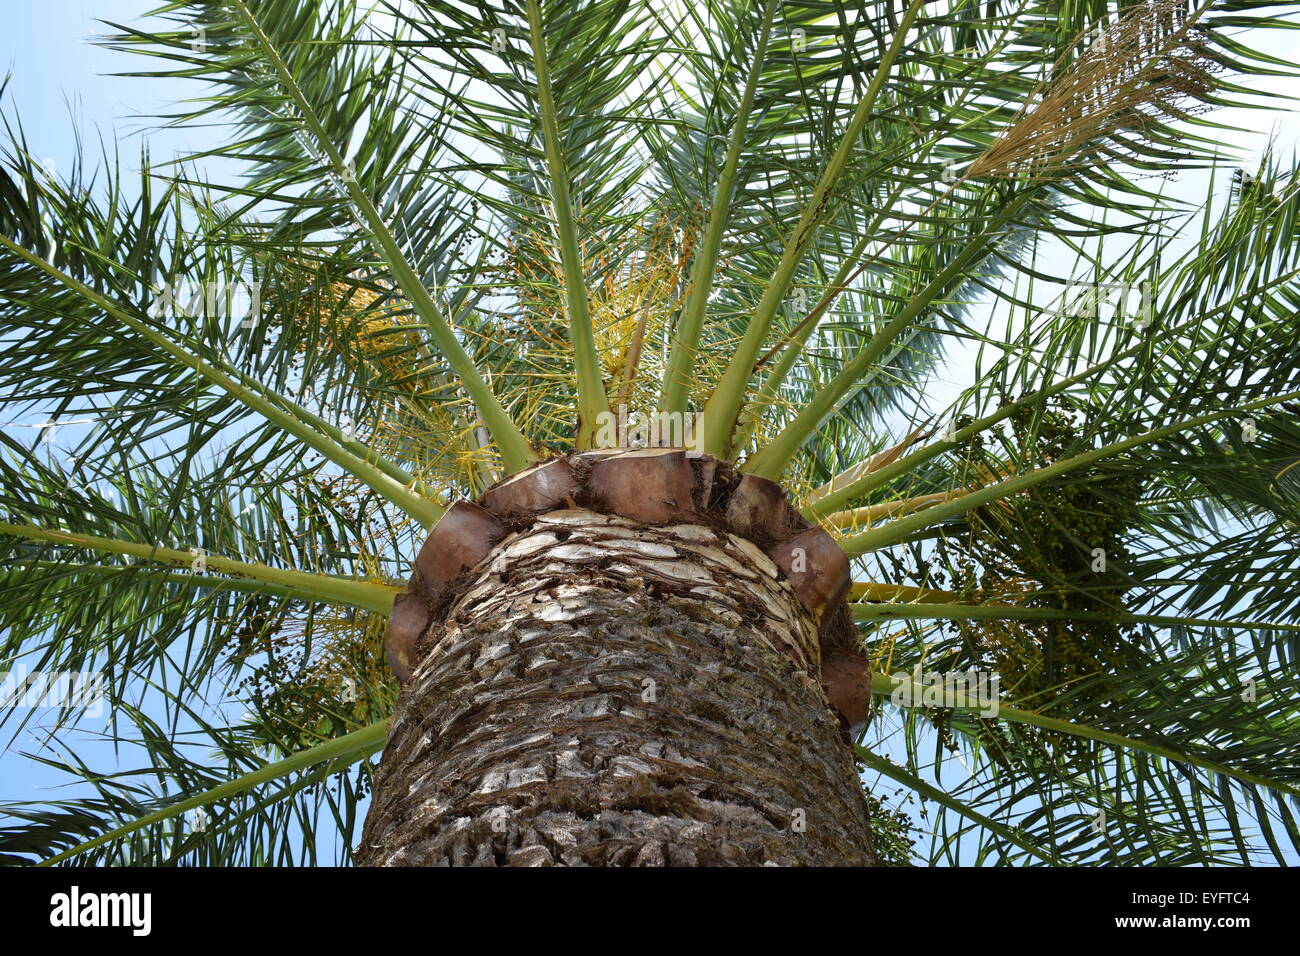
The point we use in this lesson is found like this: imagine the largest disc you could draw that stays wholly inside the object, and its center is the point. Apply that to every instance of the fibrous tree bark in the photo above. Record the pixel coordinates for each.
(603, 671)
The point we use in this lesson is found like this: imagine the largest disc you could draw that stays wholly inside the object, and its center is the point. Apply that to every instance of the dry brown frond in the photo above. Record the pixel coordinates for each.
(1147, 64)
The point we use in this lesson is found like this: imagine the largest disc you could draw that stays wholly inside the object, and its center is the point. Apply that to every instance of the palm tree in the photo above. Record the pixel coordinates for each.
(555, 397)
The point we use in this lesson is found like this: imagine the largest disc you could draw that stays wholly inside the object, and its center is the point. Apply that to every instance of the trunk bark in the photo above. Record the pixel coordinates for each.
(604, 692)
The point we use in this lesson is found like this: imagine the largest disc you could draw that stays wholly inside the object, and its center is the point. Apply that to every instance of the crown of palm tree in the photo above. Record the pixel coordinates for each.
(442, 241)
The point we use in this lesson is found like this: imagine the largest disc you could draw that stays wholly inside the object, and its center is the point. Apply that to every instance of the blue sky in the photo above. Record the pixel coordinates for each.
(54, 70)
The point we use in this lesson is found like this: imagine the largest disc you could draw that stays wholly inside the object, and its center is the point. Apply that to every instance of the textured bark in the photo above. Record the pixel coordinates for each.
(604, 692)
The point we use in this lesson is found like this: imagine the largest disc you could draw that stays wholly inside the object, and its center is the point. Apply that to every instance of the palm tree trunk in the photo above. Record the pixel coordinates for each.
(605, 692)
